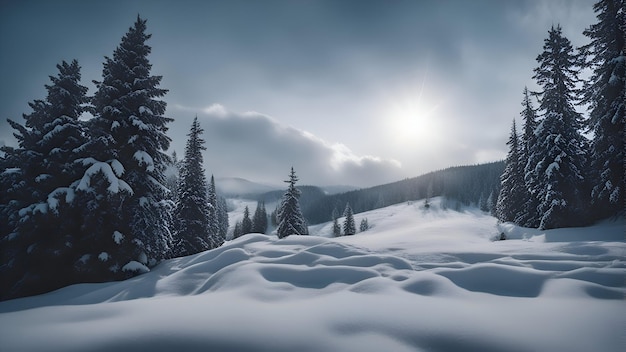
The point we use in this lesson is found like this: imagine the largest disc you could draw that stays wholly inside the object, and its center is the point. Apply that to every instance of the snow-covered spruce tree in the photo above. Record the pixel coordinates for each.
(214, 230)
(246, 222)
(605, 91)
(222, 215)
(560, 148)
(513, 189)
(364, 226)
(42, 226)
(336, 226)
(289, 215)
(528, 215)
(259, 219)
(128, 143)
(349, 227)
(192, 214)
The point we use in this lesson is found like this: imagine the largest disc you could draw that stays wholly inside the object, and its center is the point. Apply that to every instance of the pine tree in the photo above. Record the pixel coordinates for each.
(289, 215)
(364, 226)
(40, 226)
(246, 222)
(349, 227)
(122, 194)
(192, 210)
(605, 91)
(528, 216)
(513, 189)
(222, 215)
(336, 226)
(237, 231)
(560, 146)
(214, 226)
(259, 219)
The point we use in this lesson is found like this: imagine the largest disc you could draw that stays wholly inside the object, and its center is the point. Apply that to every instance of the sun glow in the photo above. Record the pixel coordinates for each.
(412, 121)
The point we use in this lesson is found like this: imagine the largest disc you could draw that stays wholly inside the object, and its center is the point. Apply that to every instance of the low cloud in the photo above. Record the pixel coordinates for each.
(260, 148)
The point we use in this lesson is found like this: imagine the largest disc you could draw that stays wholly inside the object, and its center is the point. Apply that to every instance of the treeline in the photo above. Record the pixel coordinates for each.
(95, 200)
(555, 176)
(475, 184)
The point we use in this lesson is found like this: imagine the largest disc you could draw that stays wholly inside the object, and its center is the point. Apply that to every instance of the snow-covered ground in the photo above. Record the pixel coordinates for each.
(418, 280)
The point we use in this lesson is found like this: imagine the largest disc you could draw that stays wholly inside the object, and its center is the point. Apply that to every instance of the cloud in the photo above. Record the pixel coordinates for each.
(260, 148)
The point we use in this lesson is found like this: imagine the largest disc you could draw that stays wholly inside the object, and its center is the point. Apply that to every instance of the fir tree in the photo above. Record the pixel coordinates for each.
(222, 215)
(605, 91)
(40, 225)
(289, 215)
(246, 222)
(513, 189)
(259, 219)
(364, 226)
(237, 232)
(128, 140)
(192, 210)
(336, 226)
(560, 146)
(349, 227)
(527, 215)
(214, 226)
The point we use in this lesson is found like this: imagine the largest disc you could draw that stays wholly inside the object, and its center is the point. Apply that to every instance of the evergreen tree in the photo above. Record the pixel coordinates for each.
(237, 231)
(364, 226)
(513, 189)
(560, 146)
(259, 219)
(528, 216)
(38, 230)
(128, 140)
(192, 210)
(605, 91)
(246, 222)
(222, 215)
(336, 226)
(289, 215)
(349, 227)
(214, 226)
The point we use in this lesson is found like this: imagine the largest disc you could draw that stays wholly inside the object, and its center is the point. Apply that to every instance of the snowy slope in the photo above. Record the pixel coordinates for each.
(418, 280)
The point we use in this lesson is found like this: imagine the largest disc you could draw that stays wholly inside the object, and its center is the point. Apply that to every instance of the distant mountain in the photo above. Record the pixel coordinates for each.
(338, 189)
(236, 187)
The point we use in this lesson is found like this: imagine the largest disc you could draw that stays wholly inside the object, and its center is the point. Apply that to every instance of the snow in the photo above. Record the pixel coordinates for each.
(144, 158)
(104, 256)
(116, 185)
(135, 266)
(417, 280)
(117, 237)
(138, 123)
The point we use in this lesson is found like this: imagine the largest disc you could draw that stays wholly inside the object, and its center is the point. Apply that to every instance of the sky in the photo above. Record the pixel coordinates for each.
(347, 92)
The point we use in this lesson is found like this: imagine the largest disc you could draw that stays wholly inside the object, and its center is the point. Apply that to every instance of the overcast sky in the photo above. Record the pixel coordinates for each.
(347, 92)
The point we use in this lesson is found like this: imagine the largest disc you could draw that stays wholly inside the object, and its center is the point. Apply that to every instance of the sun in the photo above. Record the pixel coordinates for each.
(412, 121)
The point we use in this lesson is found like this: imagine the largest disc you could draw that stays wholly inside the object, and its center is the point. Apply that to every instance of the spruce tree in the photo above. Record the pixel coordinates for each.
(222, 215)
(193, 210)
(336, 226)
(560, 147)
(349, 227)
(259, 219)
(513, 189)
(528, 216)
(289, 215)
(364, 226)
(605, 91)
(214, 225)
(246, 222)
(129, 138)
(38, 224)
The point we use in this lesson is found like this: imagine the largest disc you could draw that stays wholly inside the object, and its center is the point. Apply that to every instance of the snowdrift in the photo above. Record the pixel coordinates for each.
(418, 280)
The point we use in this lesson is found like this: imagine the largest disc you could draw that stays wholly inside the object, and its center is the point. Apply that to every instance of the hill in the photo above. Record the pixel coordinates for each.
(418, 280)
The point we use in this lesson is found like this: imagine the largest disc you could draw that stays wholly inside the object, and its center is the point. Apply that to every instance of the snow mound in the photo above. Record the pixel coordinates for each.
(418, 280)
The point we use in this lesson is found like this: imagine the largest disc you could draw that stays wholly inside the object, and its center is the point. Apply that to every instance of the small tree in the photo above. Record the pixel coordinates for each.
(259, 219)
(349, 227)
(246, 223)
(289, 216)
(364, 225)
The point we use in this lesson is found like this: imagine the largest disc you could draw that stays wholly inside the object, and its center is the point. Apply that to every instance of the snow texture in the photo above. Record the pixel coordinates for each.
(116, 185)
(118, 237)
(418, 280)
